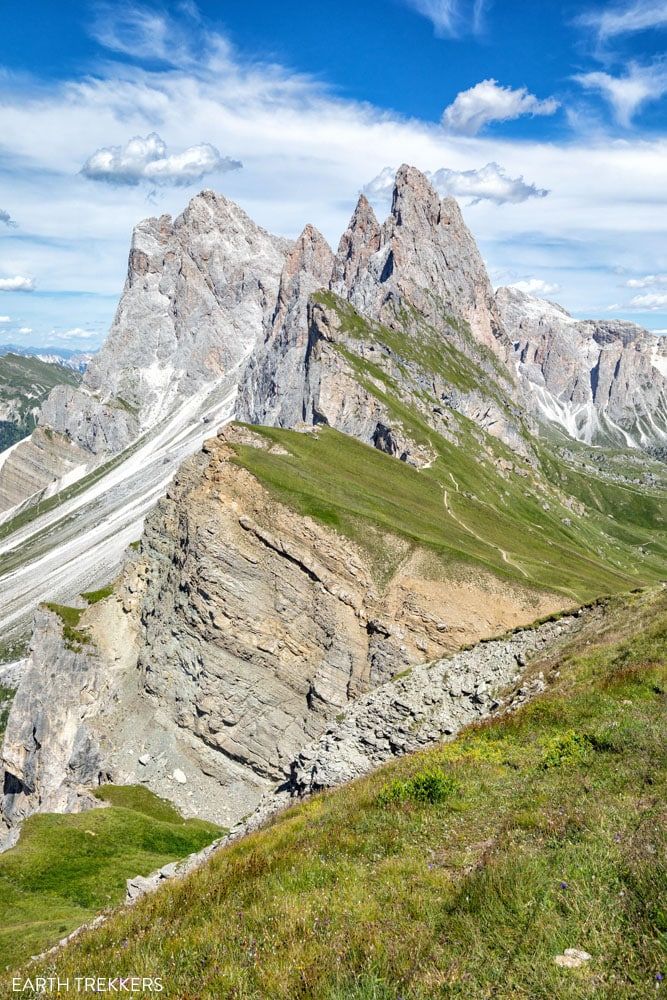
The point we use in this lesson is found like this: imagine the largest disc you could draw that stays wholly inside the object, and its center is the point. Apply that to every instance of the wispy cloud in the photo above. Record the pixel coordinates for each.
(142, 33)
(147, 160)
(452, 18)
(535, 286)
(627, 94)
(6, 219)
(627, 18)
(19, 283)
(652, 301)
(489, 183)
(488, 102)
(76, 333)
(648, 281)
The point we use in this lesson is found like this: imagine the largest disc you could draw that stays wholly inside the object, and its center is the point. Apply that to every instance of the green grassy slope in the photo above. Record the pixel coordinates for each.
(541, 831)
(66, 869)
(551, 525)
(462, 510)
(25, 382)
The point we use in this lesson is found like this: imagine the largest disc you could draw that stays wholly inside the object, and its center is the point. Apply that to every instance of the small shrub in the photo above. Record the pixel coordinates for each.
(566, 749)
(425, 787)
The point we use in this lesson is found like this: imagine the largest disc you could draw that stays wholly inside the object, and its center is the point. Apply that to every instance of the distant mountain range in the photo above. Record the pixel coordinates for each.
(25, 383)
(77, 360)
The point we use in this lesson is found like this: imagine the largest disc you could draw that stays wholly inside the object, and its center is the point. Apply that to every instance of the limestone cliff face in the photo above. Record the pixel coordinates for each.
(273, 389)
(198, 291)
(422, 256)
(603, 381)
(234, 637)
(421, 278)
(49, 758)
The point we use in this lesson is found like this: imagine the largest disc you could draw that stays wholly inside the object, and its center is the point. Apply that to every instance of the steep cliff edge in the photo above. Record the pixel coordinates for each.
(236, 634)
(283, 576)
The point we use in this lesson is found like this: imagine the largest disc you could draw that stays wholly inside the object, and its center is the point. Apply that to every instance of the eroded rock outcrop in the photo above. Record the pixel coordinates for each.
(602, 381)
(238, 632)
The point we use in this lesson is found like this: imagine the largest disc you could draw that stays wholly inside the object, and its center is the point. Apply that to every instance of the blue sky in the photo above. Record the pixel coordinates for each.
(547, 120)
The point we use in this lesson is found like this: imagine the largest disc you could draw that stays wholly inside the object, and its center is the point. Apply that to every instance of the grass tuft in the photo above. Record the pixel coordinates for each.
(75, 638)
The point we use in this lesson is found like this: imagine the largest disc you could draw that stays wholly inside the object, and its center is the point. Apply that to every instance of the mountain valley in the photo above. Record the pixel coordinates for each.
(306, 512)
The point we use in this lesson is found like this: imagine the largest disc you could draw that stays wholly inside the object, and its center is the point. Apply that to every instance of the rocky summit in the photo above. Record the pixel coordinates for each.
(368, 500)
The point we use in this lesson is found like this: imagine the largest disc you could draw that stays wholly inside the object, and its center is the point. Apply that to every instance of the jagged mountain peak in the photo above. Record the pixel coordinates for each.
(423, 256)
(307, 267)
(415, 202)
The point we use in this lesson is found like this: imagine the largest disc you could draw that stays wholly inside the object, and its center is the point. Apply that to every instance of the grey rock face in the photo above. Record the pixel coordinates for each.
(603, 381)
(434, 702)
(422, 256)
(49, 758)
(198, 292)
(273, 387)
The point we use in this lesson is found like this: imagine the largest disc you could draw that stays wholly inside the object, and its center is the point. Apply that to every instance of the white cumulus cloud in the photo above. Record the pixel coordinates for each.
(489, 183)
(654, 300)
(147, 160)
(24, 329)
(19, 283)
(5, 319)
(535, 286)
(627, 94)
(452, 18)
(488, 102)
(648, 281)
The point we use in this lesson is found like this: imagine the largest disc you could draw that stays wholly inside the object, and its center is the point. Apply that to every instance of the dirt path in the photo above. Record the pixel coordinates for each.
(503, 554)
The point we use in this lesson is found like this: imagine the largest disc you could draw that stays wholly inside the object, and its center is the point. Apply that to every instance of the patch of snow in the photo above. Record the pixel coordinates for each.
(658, 360)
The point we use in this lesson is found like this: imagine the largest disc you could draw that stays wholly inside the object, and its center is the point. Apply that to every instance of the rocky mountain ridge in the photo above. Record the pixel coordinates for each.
(234, 637)
(283, 577)
(197, 290)
(210, 289)
(78, 361)
(601, 381)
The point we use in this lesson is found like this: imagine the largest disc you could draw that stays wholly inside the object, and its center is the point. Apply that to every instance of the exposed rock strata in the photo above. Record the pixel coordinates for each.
(237, 634)
(433, 702)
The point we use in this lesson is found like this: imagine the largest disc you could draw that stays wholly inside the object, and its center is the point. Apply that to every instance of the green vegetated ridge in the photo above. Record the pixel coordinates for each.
(25, 382)
(520, 524)
(66, 869)
(461, 871)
